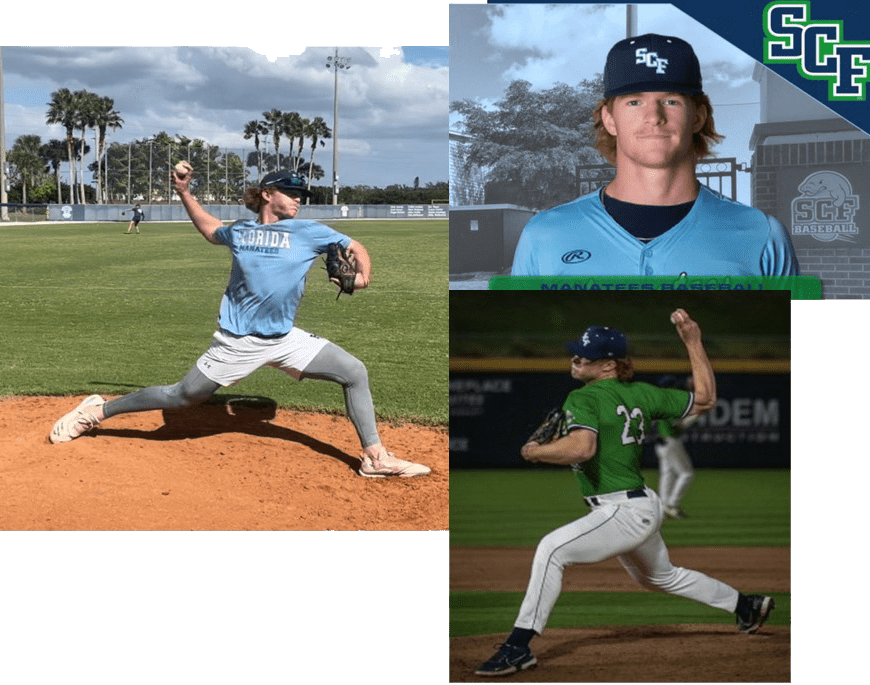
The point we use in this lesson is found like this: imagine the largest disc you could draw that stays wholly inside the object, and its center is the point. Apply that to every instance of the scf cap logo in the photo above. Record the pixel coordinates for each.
(818, 49)
(576, 256)
(825, 208)
(650, 59)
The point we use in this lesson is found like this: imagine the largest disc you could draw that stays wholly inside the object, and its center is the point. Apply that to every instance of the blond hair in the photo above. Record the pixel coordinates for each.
(253, 198)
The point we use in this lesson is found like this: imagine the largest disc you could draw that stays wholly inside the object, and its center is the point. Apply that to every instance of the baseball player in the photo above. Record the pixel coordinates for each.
(675, 465)
(138, 215)
(601, 439)
(270, 259)
(654, 219)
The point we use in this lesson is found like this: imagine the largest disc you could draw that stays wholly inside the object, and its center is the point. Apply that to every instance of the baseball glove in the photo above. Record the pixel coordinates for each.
(341, 269)
(549, 429)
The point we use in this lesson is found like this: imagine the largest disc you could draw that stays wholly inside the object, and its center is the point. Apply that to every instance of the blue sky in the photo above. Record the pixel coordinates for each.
(392, 113)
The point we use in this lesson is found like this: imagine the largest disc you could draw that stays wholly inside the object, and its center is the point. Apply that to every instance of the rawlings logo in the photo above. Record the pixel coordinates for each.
(576, 256)
(825, 208)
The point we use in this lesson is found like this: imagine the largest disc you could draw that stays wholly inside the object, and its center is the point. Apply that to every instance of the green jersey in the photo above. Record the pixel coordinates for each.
(669, 428)
(621, 414)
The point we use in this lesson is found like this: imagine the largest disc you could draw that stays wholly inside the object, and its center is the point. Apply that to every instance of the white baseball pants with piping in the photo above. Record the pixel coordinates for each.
(629, 530)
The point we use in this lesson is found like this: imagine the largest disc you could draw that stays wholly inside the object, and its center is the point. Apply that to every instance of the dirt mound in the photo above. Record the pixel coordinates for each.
(234, 463)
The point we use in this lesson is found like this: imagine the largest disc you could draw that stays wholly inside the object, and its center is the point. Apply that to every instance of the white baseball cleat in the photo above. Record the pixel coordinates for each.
(80, 420)
(387, 464)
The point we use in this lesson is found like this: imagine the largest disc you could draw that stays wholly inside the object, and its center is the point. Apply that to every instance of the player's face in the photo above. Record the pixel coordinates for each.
(285, 203)
(653, 130)
(586, 370)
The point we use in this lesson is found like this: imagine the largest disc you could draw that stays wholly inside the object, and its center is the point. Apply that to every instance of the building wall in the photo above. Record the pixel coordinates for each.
(809, 170)
(838, 253)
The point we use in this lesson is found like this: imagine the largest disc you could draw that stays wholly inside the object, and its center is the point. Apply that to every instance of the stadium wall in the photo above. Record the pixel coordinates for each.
(492, 414)
(95, 213)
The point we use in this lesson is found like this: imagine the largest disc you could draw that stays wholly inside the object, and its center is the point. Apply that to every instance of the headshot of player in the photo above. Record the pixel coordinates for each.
(655, 218)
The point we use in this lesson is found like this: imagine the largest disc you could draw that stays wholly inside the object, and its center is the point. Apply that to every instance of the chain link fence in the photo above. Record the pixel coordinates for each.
(15, 212)
(141, 172)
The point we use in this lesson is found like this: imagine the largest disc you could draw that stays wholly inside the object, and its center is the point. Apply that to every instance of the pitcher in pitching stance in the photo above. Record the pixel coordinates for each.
(270, 259)
(601, 438)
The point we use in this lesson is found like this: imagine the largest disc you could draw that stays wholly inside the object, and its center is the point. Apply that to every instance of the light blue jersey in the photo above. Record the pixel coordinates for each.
(718, 237)
(267, 280)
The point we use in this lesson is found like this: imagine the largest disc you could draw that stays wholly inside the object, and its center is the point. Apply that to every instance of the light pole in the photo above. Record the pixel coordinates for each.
(335, 63)
(4, 210)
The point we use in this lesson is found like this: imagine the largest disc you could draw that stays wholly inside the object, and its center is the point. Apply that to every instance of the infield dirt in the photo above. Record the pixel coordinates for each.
(627, 653)
(253, 467)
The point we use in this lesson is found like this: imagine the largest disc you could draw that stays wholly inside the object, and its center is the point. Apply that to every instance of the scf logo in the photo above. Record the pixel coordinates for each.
(651, 59)
(817, 49)
(825, 208)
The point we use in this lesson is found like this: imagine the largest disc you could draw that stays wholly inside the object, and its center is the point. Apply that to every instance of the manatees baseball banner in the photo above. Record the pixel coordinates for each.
(492, 414)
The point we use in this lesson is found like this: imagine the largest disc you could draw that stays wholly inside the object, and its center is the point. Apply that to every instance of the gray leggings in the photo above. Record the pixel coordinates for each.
(332, 363)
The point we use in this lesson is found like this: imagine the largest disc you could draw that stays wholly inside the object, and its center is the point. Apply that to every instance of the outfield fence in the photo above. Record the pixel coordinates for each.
(176, 212)
(18, 212)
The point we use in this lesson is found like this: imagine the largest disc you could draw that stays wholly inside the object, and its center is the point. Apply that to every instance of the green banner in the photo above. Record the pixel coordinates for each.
(801, 287)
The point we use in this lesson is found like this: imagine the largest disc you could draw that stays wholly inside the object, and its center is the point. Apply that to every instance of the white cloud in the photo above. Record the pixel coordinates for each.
(211, 92)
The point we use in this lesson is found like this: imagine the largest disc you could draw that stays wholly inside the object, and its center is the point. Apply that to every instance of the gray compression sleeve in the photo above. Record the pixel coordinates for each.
(332, 363)
(193, 389)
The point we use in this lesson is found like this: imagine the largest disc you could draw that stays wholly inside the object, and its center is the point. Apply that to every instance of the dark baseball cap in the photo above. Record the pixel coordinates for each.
(652, 62)
(285, 180)
(599, 342)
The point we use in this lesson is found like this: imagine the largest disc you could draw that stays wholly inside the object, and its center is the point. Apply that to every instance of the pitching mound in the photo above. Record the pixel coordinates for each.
(235, 463)
(661, 653)
(625, 654)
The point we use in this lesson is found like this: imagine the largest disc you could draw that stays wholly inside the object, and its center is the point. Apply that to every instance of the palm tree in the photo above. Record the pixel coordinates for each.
(105, 117)
(254, 129)
(63, 110)
(275, 122)
(318, 131)
(292, 126)
(24, 156)
(86, 118)
(52, 154)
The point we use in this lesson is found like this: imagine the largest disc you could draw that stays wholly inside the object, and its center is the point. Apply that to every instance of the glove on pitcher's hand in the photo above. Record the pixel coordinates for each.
(341, 269)
(549, 429)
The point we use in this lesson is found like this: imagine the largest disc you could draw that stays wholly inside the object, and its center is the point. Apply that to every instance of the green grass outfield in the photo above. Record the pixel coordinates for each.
(486, 613)
(86, 308)
(515, 508)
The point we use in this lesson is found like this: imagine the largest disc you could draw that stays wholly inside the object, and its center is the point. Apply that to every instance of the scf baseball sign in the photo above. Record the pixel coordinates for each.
(825, 209)
(823, 206)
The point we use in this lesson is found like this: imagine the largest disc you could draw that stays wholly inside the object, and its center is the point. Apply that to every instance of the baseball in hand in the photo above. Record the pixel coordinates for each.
(183, 168)
(678, 316)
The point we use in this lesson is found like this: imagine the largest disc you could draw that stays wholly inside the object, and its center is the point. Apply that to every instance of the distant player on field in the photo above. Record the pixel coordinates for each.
(271, 258)
(654, 218)
(138, 215)
(675, 466)
(601, 440)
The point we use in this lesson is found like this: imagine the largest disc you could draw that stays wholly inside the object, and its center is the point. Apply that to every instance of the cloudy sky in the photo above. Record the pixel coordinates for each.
(492, 45)
(392, 103)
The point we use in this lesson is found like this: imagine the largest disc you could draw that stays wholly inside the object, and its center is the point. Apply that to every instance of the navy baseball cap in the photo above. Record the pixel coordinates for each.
(285, 180)
(652, 62)
(599, 342)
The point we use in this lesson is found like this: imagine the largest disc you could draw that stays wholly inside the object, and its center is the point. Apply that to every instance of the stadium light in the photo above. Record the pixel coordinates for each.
(4, 210)
(335, 63)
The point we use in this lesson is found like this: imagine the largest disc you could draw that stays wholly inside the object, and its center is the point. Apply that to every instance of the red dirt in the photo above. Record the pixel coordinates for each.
(213, 467)
(660, 653)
